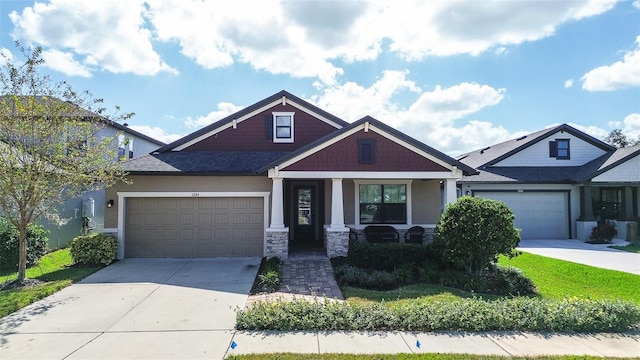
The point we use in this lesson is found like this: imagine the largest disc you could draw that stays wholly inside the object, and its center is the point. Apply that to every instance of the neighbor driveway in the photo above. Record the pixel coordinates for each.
(598, 255)
(136, 308)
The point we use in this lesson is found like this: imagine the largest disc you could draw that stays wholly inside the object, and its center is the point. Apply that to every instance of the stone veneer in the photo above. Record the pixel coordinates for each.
(336, 241)
(277, 243)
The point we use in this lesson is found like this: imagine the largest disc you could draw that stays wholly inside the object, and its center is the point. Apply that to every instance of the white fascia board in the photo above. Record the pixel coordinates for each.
(440, 175)
(319, 147)
(316, 115)
(227, 125)
(184, 194)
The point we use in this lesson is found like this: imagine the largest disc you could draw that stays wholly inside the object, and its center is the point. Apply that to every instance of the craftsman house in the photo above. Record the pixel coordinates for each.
(279, 175)
(559, 182)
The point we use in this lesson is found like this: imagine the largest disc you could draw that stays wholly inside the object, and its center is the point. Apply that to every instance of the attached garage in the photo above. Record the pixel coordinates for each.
(194, 227)
(539, 214)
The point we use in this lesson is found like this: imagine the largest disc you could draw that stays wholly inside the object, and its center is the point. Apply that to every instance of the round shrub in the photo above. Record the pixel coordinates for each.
(36, 244)
(473, 232)
(94, 249)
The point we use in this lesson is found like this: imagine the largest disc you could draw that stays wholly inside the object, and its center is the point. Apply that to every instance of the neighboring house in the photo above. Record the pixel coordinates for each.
(86, 213)
(558, 182)
(277, 175)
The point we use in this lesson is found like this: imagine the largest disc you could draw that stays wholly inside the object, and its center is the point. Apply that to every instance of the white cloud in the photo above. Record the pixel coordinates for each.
(224, 109)
(156, 133)
(568, 83)
(619, 75)
(595, 131)
(298, 38)
(65, 63)
(636, 4)
(430, 118)
(5, 55)
(109, 35)
(631, 126)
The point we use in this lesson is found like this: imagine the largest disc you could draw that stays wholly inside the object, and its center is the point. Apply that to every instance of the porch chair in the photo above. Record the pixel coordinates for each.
(381, 234)
(414, 235)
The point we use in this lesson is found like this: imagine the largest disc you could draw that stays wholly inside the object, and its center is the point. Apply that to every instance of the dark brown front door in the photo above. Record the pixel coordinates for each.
(305, 214)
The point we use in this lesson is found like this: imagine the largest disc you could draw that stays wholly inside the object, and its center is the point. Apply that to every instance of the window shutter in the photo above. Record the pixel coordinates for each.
(268, 127)
(366, 151)
(553, 149)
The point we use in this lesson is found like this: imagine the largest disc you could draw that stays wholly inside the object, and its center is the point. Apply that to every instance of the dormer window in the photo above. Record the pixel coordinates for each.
(283, 127)
(560, 149)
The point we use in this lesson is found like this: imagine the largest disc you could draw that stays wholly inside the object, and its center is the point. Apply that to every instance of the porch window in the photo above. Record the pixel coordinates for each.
(610, 203)
(383, 203)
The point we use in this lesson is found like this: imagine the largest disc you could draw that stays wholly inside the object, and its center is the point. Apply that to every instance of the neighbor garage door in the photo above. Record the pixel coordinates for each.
(540, 215)
(194, 227)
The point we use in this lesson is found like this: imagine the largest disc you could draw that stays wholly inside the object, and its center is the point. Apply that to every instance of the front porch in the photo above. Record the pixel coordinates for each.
(323, 213)
(608, 201)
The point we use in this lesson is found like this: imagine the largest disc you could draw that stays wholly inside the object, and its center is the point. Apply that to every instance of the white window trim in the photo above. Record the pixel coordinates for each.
(381, 182)
(282, 140)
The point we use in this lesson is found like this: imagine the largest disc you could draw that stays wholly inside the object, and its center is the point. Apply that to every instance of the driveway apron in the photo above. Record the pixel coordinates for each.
(136, 308)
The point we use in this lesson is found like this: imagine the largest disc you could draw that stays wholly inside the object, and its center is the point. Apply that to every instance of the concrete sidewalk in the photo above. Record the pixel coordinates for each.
(490, 343)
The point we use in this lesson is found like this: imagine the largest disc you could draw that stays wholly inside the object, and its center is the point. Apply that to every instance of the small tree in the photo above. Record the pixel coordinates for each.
(474, 231)
(50, 146)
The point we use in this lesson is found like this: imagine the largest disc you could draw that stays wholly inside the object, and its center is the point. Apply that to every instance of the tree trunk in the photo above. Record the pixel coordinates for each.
(22, 253)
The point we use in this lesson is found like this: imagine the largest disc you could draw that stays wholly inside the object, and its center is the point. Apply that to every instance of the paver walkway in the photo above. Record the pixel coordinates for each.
(305, 274)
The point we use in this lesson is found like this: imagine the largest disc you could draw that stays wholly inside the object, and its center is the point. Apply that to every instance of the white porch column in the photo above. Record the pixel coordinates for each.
(277, 204)
(337, 209)
(450, 193)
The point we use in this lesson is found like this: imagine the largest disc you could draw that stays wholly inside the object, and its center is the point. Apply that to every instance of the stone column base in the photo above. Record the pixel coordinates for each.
(336, 241)
(277, 243)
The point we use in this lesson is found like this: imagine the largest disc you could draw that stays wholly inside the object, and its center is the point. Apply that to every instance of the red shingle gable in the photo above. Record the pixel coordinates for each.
(343, 156)
(249, 134)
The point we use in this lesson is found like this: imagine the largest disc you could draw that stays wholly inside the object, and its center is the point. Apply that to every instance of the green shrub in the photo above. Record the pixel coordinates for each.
(94, 249)
(36, 245)
(373, 279)
(510, 314)
(603, 233)
(269, 275)
(472, 232)
(388, 256)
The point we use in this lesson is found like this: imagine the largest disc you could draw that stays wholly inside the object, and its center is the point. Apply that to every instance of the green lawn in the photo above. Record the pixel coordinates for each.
(558, 279)
(555, 279)
(633, 247)
(400, 357)
(55, 268)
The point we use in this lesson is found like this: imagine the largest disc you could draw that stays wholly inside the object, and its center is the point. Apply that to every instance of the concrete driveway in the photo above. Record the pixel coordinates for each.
(136, 308)
(598, 255)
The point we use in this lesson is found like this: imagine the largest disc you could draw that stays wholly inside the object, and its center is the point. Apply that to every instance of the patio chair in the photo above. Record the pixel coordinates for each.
(414, 235)
(381, 234)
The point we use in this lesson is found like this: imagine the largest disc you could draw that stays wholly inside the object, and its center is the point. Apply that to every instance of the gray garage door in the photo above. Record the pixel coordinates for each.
(539, 215)
(194, 227)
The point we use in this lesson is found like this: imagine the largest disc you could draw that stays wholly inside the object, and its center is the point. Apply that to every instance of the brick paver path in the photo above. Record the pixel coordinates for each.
(304, 275)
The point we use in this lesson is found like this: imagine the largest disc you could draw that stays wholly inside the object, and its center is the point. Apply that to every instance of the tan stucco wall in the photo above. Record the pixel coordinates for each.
(183, 184)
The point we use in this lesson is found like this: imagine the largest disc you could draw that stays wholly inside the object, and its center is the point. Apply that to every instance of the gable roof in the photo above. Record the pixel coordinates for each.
(322, 142)
(282, 96)
(606, 163)
(495, 153)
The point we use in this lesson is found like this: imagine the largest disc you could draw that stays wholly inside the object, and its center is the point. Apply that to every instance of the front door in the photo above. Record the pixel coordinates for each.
(305, 214)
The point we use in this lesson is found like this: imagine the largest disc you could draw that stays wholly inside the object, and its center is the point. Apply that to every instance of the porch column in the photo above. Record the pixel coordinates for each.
(628, 204)
(277, 204)
(337, 209)
(450, 193)
(587, 204)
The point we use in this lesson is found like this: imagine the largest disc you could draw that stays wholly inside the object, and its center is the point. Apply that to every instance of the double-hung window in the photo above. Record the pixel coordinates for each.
(283, 127)
(382, 203)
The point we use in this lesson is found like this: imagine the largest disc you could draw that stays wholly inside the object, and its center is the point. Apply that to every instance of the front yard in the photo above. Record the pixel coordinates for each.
(54, 272)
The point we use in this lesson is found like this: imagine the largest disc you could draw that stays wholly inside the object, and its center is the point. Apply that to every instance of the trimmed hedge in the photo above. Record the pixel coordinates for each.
(512, 314)
(36, 244)
(94, 249)
(388, 256)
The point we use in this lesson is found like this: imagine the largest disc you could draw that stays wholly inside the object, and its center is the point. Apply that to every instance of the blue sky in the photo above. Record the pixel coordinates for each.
(457, 75)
